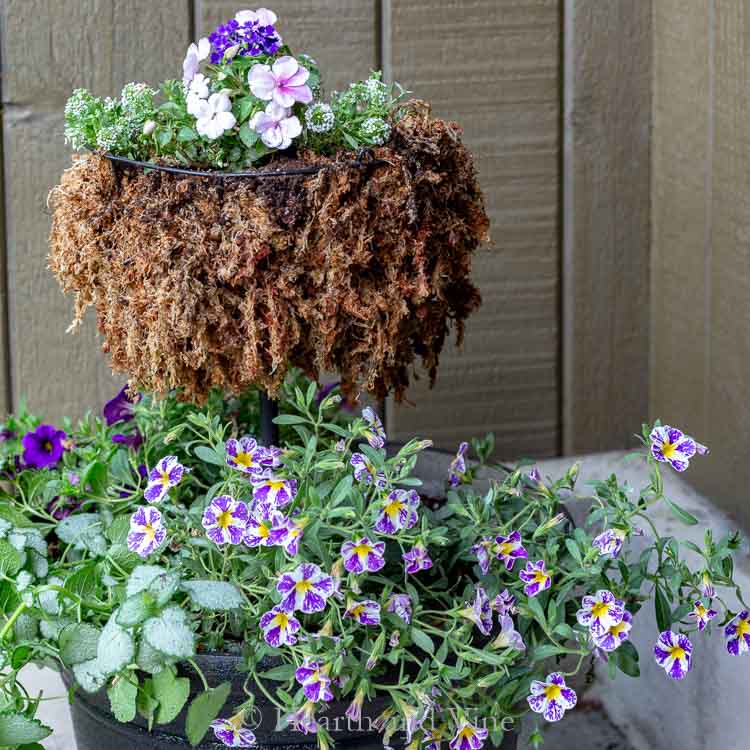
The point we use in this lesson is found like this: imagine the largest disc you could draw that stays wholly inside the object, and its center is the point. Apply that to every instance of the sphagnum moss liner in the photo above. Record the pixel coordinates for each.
(199, 282)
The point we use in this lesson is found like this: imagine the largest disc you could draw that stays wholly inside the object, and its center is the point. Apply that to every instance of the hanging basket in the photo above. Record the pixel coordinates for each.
(200, 279)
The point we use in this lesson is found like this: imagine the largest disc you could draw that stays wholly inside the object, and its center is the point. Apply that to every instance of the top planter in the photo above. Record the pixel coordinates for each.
(202, 281)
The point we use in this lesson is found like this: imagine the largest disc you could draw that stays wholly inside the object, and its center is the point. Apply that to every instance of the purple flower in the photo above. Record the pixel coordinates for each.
(616, 635)
(134, 440)
(271, 492)
(707, 586)
(399, 512)
(482, 551)
(609, 542)
(225, 520)
(509, 637)
(315, 684)
(552, 698)
(251, 36)
(120, 408)
(702, 614)
(468, 737)
(366, 612)
(416, 559)
(600, 612)
(535, 577)
(305, 589)
(303, 720)
(365, 472)
(374, 432)
(231, 733)
(737, 634)
(400, 605)
(146, 531)
(670, 445)
(458, 466)
(363, 555)
(266, 532)
(354, 711)
(480, 612)
(674, 653)
(279, 627)
(61, 507)
(292, 538)
(284, 82)
(509, 549)
(245, 455)
(534, 476)
(272, 457)
(168, 473)
(44, 447)
(504, 603)
(6, 434)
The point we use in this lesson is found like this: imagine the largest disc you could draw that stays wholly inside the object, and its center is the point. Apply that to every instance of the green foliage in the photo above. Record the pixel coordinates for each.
(204, 708)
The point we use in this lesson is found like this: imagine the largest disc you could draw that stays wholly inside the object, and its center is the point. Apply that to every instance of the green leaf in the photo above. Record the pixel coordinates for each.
(279, 674)
(248, 136)
(17, 729)
(10, 559)
(574, 550)
(116, 648)
(681, 513)
(78, 643)
(186, 134)
(290, 419)
(89, 675)
(663, 610)
(422, 640)
(214, 595)
(164, 586)
(170, 634)
(140, 579)
(209, 456)
(95, 476)
(117, 531)
(135, 609)
(203, 710)
(84, 581)
(341, 490)
(547, 650)
(149, 659)
(626, 659)
(122, 697)
(243, 107)
(172, 693)
(536, 610)
(84, 531)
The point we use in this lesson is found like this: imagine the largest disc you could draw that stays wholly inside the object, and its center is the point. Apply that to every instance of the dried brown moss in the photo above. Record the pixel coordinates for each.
(199, 282)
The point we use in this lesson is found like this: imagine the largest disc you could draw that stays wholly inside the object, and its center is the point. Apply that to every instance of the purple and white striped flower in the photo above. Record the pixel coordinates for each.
(246, 455)
(231, 733)
(303, 720)
(616, 635)
(672, 446)
(363, 555)
(600, 612)
(483, 550)
(306, 589)
(737, 634)
(272, 457)
(316, 685)
(510, 549)
(279, 627)
(468, 737)
(293, 537)
(374, 432)
(399, 512)
(458, 466)
(364, 471)
(366, 612)
(504, 603)
(146, 531)
(167, 473)
(400, 605)
(509, 637)
(272, 492)
(609, 542)
(266, 532)
(707, 586)
(702, 614)
(674, 653)
(552, 698)
(225, 520)
(536, 578)
(416, 559)
(354, 711)
(480, 612)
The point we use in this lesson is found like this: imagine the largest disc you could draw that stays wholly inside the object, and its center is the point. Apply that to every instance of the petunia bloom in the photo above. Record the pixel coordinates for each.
(609, 542)
(167, 473)
(482, 550)
(363, 556)
(374, 432)
(480, 612)
(600, 612)
(276, 125)
(43, 447)
(468, 737)
(284, 82)
(364, 471)
(509, 637)
(306, 589)
(120, 408)
(366, 612)
(225, 520)
(504, 603)
(146, 531)
(133, 440)
(267, 531)
(702, 614)
(214, 116)
(674, 653)
(231, 733)
(279, 627)
(510, 549)
(245, 455)
(271, 492)
(399, 512)
(670, 445)
(303, 720)
(416, 559)
(400, 605)
(737, 634)
(272, 457)
(536, 578)
(615, 635)
(316, 685)
(552, 698)
(458, 466)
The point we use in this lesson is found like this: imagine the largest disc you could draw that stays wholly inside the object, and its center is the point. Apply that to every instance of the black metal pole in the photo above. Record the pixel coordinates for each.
(269, 430)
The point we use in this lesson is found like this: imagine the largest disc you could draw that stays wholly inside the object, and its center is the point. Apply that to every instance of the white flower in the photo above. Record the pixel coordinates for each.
(214, 116)
(263, 16)
(319, 118)
(276, 126)
(198, 92)
(148, 127)
(195, 53)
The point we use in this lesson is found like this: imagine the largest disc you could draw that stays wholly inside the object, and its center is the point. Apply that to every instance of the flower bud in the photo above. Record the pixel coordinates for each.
(148, 127)
(232, 52)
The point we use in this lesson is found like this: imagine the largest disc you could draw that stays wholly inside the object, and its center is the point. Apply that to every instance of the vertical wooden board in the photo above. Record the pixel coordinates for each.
(54, 48)
(493, 65)
(339, 34)
(606, 222)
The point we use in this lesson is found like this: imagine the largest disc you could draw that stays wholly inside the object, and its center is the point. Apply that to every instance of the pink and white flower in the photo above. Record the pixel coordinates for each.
(271, 492)
(364, 471)
(609, 542)
(225, 520)
(672, 446)
(214, 116)
(363, 556)
(674, 653)
(276, 125)
(266, 531)
(374, 432)
(468, 737)
(306, 589)
(231, 733)
(702, 614)
(737, 634)
(279, 627)
(146, 531)
(600, 612)
(510, 549)
(167, 473)
(615, 635)
(399, 512)
(284, 82)
(416, 559)
(245, 455)
(552, 698)
(366, 612)
(536, 578)
(316, 685)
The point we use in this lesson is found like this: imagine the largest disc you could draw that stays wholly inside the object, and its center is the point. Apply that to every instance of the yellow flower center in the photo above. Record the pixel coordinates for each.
(394, 507)
(617, 629)
(600, 609)
(701, 611)
(540, 576)
(224, 520)
(282, 619)
(467, 733)
(668, 449)
(677, 653)
(236, 722)
(358, 610)
(363, 549)
(164, 479)
(506, 548)
(276, 484)
(150, 532)
(47, 446)
(552, 692)
(244, 459)
(743, 628)
(302, 586)
(263, 531)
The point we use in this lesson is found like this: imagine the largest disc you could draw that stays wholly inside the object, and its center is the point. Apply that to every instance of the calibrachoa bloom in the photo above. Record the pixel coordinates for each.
(364, 471)
(400, 605)
(468, 737)
(146, 531)
(480, 612)
(315, 684)
(609, 542)
(270, 491)
(535, 577)
(458, 466)
(363, 555)
(674, 653)
(292, 538)
(399, 512)
(707, 586)
(374, 434)
(354, 711)
(600, 612)
(279, 627)
(305, 589)
(737, 634)
(552, 698)
(272, 457)
(245, 455)
(509, 549)
(366, 612)
(509, 637)
(266, 532)
(119, 408)
(166, 474)
(702, 614)
(225, 520)
(616, 635)
(43, 447)
(231, 732)
(276, 125)
(482, 550)
(416, 559)
(504, 603)
(670, 445)
(284, 82)
(304, 719)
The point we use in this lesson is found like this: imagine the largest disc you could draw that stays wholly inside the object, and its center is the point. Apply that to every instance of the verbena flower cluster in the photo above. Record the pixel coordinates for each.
(133, 541)
(243, 96)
